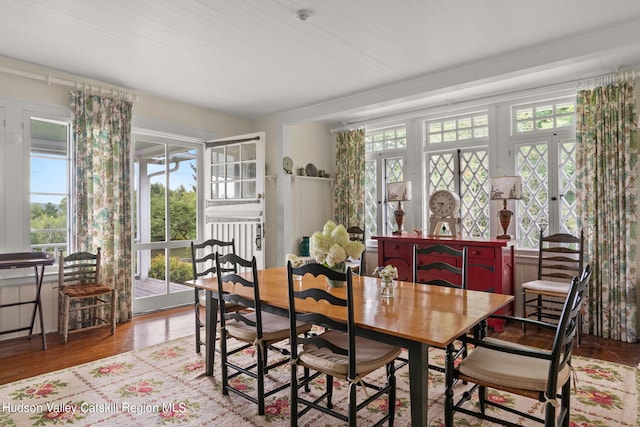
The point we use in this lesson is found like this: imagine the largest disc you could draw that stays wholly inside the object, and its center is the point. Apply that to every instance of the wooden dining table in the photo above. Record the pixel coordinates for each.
(416, 318)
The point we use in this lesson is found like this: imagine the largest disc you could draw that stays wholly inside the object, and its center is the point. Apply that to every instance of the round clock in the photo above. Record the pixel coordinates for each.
(444, 203)
(287, 164)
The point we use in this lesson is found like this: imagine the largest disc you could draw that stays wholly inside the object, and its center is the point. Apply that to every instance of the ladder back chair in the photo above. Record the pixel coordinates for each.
(203, 261)
(358, 266)
(441, 265)
(252, 327)
(535, 373)
(82, 297)
(560, 259)
(336, 352)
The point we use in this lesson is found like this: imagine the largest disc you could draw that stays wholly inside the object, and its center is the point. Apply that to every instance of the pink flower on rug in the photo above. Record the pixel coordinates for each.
(59, 417)
(178, 412)
(241, 384)
(142, 388)
(39, 391)
(167, 353)
(594, 397)
(578, 420)
(278, 409)
(192, 367)
(114, 369)
(597, 372)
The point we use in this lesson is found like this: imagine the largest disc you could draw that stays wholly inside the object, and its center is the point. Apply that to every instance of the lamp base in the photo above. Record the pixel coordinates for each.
(399, 232)
(399, 216)
(504, 237)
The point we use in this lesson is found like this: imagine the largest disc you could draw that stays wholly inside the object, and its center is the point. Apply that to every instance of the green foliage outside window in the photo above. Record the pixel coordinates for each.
(180, 270)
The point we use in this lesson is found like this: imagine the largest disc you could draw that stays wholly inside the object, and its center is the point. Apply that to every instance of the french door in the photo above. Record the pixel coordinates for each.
(166, 209)
(235, 204)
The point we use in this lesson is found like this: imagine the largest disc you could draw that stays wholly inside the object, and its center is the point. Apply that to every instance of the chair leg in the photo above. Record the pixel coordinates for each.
(448, 380)
(565, 405)
(524, 312)
(293, 399)
(114, 311)
(539, 308)
(482, 398)
(352, 404)
(391, 399)
(329, 391)
(260, 374)
(65, 320)
(223, 362)
(197, 318)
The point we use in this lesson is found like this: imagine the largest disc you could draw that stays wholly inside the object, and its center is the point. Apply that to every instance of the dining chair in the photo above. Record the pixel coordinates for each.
(531, 372)
(82, 297)
(204, 264)
(560, 258)
(252, 327)
(336, 351)
(358, 266)
(441, 265)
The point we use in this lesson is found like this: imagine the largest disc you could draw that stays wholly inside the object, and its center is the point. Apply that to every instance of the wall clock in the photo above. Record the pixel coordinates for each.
(287, 164)
(445, 209)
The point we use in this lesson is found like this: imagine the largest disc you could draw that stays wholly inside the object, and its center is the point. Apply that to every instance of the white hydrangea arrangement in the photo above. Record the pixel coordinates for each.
(386, 273)
(332, 245)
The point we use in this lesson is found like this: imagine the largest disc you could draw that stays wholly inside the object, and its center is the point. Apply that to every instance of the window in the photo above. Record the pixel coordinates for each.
(545, 159)
(457, 159)
(49, 185)
(385, 151)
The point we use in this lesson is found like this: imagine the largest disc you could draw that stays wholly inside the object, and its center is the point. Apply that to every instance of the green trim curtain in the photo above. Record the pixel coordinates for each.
(349, 183)
(102, 188)
(606, 172)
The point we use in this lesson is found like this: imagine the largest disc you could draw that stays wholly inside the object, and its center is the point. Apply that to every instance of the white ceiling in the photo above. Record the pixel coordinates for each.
(351, 59)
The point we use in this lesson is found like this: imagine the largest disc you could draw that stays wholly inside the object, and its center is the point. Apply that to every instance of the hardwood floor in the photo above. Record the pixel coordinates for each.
(23, 358)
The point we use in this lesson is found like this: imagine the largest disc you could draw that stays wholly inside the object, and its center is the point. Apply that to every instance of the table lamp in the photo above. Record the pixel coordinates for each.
(399, 192)
(506, 188)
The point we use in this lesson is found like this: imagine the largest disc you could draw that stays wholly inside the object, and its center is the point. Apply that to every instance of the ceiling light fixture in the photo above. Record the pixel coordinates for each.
(303, 14)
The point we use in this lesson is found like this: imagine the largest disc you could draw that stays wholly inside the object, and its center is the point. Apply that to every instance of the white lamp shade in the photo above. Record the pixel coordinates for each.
(399, 191)
(506, 188)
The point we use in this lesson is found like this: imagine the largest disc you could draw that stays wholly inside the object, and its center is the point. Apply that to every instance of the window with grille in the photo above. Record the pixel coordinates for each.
(457, 159)
(545, 159)
(385, 162)
(544, 116)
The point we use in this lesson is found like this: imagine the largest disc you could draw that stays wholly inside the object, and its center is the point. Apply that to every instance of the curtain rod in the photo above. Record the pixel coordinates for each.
(47, 78)
(607, 79)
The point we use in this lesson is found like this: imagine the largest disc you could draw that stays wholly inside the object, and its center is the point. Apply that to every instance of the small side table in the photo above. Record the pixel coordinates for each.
(37, 260)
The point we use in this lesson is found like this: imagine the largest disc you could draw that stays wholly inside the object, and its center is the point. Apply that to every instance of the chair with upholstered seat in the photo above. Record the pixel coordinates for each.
(82, 297)
(336, 352)
(251, 326)
(203, 261)
(526, 371)
(560, 258)
(358, 266)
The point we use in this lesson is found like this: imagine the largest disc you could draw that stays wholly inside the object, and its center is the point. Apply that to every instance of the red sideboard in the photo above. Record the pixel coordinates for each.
(491, 262)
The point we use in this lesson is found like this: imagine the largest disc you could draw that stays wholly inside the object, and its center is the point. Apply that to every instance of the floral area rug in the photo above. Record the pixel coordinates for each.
(165, 385)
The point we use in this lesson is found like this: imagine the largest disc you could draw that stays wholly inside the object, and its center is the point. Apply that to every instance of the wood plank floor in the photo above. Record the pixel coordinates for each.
(23, 358)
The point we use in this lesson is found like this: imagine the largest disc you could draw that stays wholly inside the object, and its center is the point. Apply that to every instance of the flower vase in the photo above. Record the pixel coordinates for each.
(339, 267)
(387, 288)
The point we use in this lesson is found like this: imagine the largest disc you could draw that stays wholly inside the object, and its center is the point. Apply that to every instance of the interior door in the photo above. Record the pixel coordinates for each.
(234, 205)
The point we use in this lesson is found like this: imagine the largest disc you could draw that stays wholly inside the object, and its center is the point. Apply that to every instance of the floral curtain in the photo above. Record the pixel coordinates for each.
(606, 163)
(101, 184)
(349, 184)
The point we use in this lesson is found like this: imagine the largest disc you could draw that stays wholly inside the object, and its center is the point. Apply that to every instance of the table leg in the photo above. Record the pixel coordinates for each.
(210, 331)
(37, 308)
(418, 382)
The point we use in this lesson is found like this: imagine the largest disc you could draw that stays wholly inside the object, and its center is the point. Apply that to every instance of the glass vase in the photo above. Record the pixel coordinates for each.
(387, 287)
(342, 268)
